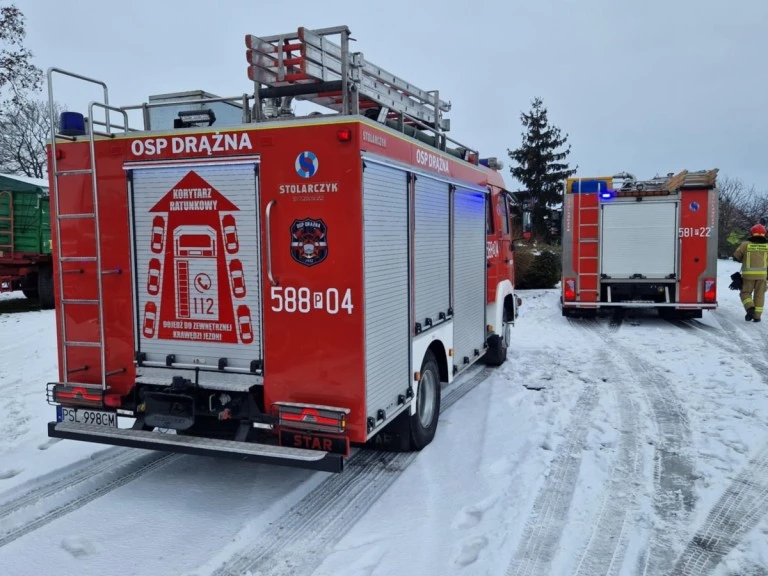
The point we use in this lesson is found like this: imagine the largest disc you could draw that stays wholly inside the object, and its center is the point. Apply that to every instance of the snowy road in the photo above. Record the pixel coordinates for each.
(645, 452)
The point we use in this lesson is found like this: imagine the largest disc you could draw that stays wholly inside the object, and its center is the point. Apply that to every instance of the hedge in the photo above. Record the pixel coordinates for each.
(537, 267)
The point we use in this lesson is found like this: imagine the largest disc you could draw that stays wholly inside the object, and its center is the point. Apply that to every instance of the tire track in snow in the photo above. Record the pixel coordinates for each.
(718, 339)
(114, 478)
(60, 480)
(722, 341)
(299, 542)
(673, 497)
(608, 541)
(544, 527)
(744, 343)
(741, 507)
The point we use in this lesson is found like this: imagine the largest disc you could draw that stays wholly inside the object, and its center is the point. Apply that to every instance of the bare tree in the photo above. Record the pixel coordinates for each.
(17, 72)
(25, 128)
(739, 208)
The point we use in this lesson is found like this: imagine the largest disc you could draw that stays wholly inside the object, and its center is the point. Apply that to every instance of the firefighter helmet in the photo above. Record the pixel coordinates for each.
(758, 230)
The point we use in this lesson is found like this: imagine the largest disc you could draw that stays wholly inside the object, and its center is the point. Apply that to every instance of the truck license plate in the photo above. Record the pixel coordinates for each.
(85, 416)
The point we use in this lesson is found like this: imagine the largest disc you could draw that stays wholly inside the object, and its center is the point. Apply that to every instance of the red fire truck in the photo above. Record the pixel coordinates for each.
(641, 244)
(281, 288)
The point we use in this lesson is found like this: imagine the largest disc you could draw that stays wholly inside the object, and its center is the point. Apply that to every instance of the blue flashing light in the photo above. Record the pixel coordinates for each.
(492, 163)
(72, 124)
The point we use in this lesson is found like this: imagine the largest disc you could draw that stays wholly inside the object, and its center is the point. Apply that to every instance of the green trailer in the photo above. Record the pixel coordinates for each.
(25, 238)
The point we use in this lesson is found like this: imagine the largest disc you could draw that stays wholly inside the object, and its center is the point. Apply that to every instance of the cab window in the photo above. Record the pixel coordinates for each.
(505, 209)
(489, 227)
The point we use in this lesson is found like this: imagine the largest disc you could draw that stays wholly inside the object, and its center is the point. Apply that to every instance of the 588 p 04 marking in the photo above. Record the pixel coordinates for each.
(273, 287)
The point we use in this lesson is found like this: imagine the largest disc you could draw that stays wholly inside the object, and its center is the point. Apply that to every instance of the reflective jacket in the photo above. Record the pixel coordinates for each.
(753, 255)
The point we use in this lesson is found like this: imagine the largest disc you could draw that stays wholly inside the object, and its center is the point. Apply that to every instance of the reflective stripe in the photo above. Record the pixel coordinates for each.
(760, 265)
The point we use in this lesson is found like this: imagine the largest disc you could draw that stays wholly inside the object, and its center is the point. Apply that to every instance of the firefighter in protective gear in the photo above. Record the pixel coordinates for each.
(753, 255)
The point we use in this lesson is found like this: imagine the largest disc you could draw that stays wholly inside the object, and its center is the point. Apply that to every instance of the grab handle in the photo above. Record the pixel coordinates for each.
(269, 241)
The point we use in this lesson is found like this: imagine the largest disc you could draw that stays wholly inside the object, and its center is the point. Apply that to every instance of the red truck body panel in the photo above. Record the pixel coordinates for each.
(299, 328)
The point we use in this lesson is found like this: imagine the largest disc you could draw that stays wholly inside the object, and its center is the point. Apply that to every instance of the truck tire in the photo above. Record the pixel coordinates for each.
(45, 287)
(423, 423)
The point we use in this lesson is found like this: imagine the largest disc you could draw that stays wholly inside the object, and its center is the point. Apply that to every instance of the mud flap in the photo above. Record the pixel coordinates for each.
(395, 436)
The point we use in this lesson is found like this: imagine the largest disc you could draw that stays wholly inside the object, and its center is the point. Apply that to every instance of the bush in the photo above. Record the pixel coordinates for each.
(537, 268)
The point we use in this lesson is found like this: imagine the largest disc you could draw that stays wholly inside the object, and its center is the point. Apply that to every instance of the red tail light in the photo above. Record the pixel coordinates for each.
(710, 290)
(569, 292)
(344, 135)
(312, 417)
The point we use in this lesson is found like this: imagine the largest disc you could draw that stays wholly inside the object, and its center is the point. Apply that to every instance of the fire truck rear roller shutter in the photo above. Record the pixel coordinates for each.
(639, 238)
(236, 183)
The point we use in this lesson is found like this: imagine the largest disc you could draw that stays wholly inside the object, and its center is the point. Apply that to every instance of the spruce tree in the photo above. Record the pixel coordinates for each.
(539, 166)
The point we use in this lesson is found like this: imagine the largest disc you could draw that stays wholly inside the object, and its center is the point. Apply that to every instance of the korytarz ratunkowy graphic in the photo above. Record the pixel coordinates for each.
(309, 241)
(196, 279)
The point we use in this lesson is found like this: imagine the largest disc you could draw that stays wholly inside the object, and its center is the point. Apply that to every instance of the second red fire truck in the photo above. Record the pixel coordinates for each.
(641, 244)
(280, 287)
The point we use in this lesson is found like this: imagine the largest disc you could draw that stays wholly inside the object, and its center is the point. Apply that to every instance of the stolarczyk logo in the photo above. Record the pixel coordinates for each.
(306, 164)
(309, 244)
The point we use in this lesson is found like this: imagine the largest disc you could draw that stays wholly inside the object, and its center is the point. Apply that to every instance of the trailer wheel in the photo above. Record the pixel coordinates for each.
(424, 421)
(45, 286)
(28, 286)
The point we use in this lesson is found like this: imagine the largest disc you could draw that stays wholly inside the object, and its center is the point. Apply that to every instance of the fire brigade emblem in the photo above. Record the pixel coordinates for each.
(309, 245)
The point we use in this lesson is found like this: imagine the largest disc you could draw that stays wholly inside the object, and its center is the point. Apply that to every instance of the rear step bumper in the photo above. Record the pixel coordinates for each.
(248, 451)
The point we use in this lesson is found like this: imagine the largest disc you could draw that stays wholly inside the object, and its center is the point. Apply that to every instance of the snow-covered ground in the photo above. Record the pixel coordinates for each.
(644, 452)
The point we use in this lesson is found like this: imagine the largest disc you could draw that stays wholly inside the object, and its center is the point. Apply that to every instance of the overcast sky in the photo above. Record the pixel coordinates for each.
(647, 86)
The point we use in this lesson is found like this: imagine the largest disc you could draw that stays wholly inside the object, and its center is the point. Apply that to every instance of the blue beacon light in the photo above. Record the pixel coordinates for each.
(71, 124)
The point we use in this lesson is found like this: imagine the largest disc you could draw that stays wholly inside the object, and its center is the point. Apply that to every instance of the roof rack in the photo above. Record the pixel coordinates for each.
(306, 65)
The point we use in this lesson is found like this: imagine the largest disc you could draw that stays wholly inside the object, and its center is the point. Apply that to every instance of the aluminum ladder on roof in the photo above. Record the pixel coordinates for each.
(345, 82)
(65, 302)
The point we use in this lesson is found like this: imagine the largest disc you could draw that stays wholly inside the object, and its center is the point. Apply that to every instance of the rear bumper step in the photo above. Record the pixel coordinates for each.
(247, 451)
(630, 304)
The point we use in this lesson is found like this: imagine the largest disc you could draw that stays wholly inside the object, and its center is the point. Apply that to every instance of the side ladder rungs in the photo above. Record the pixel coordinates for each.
(78, 258)
(75, 216)
(77, 344)
(73, 172)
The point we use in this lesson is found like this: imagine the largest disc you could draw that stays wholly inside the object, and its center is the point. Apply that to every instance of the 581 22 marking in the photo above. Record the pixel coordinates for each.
(695, 232)
(291, 299)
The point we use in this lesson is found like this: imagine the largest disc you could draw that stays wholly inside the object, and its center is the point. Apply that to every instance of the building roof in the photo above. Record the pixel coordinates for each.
(16, 183)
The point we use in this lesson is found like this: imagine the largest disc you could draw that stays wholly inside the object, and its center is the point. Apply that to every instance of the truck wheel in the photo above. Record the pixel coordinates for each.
(424, 421)
(45, 287)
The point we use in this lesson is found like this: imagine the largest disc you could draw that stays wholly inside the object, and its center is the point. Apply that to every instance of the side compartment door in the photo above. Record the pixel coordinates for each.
(313, 293)
(469, 274)
(197, 269)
